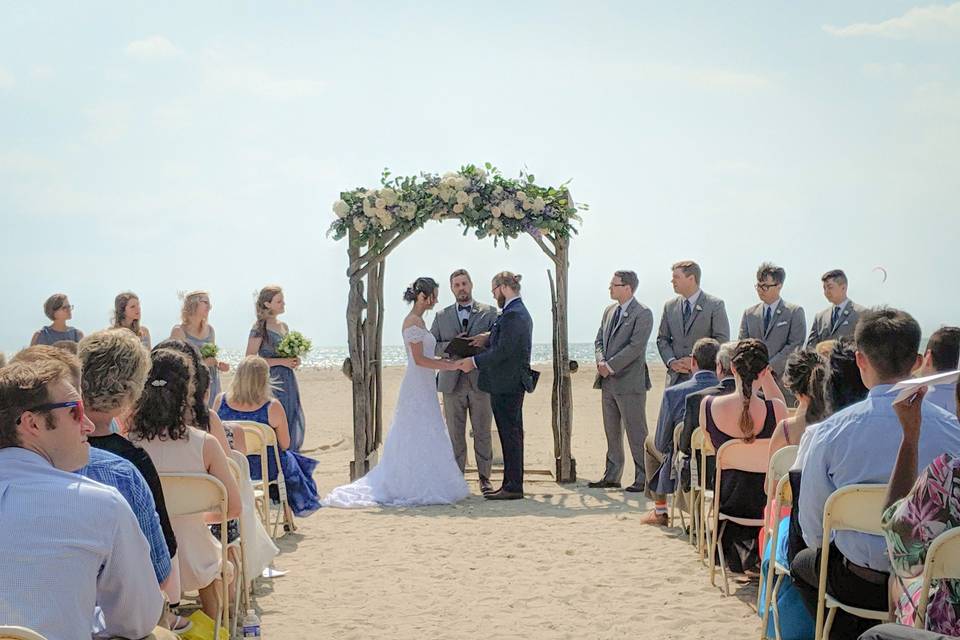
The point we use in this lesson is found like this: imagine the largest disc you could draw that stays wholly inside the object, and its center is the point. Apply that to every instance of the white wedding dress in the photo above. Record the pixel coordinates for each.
(417, 466)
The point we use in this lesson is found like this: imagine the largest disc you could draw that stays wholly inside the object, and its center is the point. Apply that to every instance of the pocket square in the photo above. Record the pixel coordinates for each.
(780, 324)
(846, 322)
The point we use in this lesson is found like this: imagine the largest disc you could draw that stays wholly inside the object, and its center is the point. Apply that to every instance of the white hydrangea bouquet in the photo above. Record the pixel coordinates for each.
(294, 345)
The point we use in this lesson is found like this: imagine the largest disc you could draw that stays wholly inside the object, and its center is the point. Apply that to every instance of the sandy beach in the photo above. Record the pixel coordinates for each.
(567, 562)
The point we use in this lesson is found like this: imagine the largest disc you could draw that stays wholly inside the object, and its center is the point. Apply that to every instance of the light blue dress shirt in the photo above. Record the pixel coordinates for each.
(944, 396)
(67, 545)
(859, 445)
(112, 470)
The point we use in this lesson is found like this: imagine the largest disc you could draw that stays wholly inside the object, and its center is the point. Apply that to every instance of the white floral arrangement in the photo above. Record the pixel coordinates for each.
(480, 197)
(294, 345)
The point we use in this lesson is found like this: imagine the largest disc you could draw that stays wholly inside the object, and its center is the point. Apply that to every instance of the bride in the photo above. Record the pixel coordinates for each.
(418, 466)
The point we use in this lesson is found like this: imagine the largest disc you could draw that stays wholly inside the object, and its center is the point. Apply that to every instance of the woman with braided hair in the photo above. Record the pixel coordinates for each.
(746, 416)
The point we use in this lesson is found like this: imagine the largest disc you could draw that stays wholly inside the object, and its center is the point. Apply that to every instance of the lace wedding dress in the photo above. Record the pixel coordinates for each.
(417, 466)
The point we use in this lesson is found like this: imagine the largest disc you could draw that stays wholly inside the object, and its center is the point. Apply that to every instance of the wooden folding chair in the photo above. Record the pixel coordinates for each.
(678, 492)
(741, 456)
(241, 473)
(19, 633)
(779, 495)
(192, 493)
(856, 507)
(268, 438)
(701, 448)
(943, 561)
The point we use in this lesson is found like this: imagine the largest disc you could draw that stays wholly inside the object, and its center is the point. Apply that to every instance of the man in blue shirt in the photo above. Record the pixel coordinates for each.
(658, 447)
(858, 445)
(943, 351)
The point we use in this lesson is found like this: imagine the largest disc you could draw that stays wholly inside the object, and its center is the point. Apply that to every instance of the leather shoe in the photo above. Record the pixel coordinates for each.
(485, 486)
(603, 484)
(502, 494)
(635, 488)
(654, 518)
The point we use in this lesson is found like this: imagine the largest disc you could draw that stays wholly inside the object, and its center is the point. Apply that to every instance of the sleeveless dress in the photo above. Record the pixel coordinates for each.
(287, 390)
(742, 495)
(48, 335)
(417, 466)
(297, 469)
(214, 371)
(198, 553)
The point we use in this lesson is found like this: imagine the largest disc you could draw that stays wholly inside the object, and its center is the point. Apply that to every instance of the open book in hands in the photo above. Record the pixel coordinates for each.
(460, 347)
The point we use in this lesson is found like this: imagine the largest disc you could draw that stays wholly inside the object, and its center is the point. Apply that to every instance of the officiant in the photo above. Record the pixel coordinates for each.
(461, 396)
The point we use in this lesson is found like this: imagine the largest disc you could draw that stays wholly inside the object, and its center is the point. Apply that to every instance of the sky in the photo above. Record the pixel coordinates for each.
(164, 147)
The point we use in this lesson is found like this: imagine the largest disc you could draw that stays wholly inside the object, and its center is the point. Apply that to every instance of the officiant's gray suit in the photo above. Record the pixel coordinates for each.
(675, 339)
(822, 329)
(460, 391)
(624, 394)
(784, 335)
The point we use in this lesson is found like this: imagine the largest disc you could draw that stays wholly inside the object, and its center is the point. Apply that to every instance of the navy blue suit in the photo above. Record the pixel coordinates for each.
(505, 374)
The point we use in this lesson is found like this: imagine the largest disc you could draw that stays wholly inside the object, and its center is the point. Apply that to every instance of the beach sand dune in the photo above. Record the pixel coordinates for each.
(568, 562)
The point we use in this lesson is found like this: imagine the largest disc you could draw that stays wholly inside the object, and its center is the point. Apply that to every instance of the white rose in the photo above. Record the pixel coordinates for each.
(359, 224)
(495, 211)
(462, 183)
(446, 194)
(386, 220)
(458, 208)
(508, 207)
(367, 209)
(389, 196)
(380, 203)
(526, 204)
(521, 196)
(538, 204)
(409, 211)
(341, 208)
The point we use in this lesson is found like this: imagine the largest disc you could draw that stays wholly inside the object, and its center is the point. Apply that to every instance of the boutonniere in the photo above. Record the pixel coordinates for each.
(698, 308)
(846, 312)
(779, 311)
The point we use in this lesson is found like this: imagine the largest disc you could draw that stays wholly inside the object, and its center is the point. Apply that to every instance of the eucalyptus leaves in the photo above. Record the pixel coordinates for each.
(481, 198)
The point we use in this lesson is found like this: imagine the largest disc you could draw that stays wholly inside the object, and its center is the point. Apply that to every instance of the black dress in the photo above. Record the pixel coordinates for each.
(741, 495)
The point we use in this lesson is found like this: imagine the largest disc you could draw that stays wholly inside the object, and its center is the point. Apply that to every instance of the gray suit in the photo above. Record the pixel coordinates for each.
(708, 319)
(624, 394)
(786, 333)
(460, 391)
(822, 330)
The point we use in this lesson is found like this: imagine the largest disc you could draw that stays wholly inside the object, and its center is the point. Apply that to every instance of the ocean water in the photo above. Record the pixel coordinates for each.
(333, 357)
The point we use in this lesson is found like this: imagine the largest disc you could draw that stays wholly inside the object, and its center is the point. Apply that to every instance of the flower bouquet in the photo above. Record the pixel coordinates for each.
(294, 345)
(209, 350)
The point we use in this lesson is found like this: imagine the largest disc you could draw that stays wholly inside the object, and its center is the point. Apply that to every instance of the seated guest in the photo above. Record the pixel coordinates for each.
(59, 310)
(893, 631)
(942, 355)
(113, 368)
(916, 513)
(250, 397)
(691, 415)
(744, 416)
(824, 348)
(159, 426)
(858, 445)
(804, 378)
(658, 447)
(68, 545)
(67, 345)
(112, 470)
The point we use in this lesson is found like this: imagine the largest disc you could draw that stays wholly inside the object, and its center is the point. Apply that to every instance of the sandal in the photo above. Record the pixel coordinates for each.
(181, 625)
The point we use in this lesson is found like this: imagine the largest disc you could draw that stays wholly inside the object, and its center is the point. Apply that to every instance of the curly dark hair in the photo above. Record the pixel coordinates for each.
(804, 375)
(201, 380)
(425, 285)
(162, 409)
(749, 358)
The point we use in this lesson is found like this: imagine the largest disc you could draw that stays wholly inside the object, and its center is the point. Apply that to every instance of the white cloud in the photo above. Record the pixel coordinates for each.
(109, 122)
(261, 82)
(153, 48)
(935, 22)
(6, 79)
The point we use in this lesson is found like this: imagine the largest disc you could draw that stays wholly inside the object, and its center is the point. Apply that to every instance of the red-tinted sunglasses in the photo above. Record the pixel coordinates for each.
(76, 409)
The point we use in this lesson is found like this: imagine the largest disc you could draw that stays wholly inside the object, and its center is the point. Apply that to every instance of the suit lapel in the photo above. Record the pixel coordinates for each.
(774, 316)
(694, 311)
(474, 312)
(843, 317)
(623, 317)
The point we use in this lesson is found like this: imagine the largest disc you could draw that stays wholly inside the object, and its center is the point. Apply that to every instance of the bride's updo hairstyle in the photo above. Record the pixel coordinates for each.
(750, 357)
(426, 286)
(508, 279)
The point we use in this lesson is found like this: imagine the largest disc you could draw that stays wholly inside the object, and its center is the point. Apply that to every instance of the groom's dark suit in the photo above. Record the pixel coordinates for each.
(505, 374)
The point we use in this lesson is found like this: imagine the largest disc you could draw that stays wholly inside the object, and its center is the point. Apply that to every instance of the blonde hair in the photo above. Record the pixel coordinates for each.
(266, 294)
(120, 311)
(39, 353)
(824, 348)
(191, 301)
(508, 279)
(115, 366)
(251, 383)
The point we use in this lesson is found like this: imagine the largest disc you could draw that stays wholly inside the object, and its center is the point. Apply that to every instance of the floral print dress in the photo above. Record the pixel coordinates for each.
(911, 524)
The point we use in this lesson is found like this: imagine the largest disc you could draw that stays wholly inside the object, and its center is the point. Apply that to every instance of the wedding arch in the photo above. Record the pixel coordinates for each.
(376, 221)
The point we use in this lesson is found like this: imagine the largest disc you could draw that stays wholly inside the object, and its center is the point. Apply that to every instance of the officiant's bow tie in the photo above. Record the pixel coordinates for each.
(461, 307)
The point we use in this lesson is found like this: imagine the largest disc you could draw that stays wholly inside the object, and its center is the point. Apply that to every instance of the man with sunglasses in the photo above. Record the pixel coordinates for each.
(782, 326)
(72, 558)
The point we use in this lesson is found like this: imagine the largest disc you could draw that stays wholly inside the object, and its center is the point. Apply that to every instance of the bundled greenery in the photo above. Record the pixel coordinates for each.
(294, 345)
(481, 198)
(209, 350)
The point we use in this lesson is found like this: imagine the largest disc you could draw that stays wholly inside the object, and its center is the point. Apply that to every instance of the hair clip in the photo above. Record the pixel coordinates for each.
(159, 383)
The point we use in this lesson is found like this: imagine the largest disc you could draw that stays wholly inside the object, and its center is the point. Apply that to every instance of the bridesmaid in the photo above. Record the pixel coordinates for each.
(59, 310)
(195, 328)
(266, 334)
(126, 314)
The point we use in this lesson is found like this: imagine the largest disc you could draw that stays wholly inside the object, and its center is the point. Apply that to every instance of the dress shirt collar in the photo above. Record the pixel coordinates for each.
(879, 390)
(725, 378)
(842, 305)
(772, 306)
(693, 299)
(26, 456)
(509, 301)
(624, 306)
(704, 373)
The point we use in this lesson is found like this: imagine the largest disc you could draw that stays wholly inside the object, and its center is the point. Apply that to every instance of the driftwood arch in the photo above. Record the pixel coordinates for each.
(377, 222)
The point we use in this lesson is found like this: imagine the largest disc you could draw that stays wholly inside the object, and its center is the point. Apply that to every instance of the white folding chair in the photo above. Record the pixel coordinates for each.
(257, 445)
(741, 456)
(19, 633)
(779, 496)
(268, 438)
(856, 507)
(192, 493)
(943, 561)
(240, 470)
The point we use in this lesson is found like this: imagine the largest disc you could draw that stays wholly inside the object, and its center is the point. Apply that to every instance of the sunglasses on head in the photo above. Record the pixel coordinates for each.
(75, 406)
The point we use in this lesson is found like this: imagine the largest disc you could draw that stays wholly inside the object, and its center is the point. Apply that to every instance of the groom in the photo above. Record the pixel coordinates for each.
(506, 375)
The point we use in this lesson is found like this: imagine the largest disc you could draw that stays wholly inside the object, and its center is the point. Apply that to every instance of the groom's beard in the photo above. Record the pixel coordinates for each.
(501, 300)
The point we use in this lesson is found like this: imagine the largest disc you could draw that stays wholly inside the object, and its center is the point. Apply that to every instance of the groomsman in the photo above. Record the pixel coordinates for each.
(780, 325)
(623, 379)
(461, 395)
(840, 318)
(692, 315)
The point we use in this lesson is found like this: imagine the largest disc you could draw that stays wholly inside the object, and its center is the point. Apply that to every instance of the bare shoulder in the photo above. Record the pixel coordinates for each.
(178, 332)
(413, 321)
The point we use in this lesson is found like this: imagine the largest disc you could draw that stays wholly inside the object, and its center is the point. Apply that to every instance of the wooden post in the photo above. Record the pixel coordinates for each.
(567, 468)
(358, 359)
